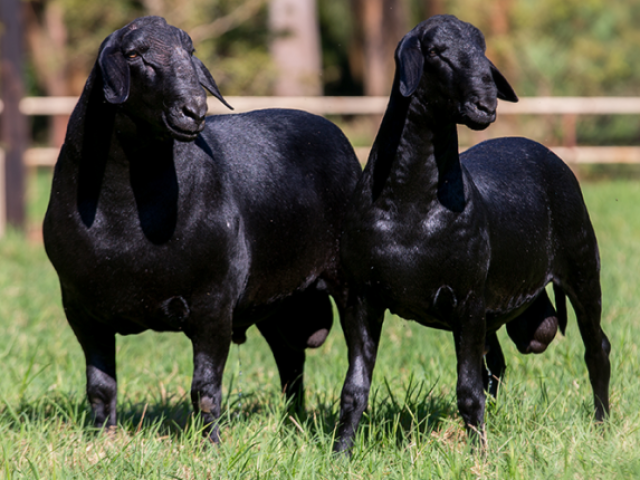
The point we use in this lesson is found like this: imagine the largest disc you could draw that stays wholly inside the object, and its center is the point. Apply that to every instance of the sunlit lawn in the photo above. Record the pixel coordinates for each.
(540, 426)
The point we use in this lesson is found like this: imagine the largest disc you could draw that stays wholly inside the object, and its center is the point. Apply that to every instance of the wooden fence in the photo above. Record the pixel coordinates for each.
(567, 107)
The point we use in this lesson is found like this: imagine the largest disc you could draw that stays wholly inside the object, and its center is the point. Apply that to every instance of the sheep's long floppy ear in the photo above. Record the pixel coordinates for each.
(410, 62)
(114, 70)
(505, 92)
(207, 81)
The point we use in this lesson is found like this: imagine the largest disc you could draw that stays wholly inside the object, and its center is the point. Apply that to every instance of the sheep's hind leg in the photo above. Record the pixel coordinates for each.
(99, 346)
(304, 321)
(290, 363)
(494, 367)
(587, 303)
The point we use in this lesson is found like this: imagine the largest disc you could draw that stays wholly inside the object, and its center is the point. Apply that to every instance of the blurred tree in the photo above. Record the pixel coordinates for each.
(46, 35)
(573, 47)
(379, 26)
(578, 47)
(433, 7)
(13, 131)
(295, 47)
(336, 34)
(544, 47)
(231, 37)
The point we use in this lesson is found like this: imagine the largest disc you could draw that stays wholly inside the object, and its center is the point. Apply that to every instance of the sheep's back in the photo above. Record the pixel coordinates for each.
(291, 175)
(537, 219)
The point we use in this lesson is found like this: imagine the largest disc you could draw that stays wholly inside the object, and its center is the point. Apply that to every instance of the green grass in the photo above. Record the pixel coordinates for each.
(540, 427)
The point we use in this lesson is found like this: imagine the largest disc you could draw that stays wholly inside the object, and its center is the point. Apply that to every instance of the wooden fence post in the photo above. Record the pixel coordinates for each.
(13, 125)
(569, 133)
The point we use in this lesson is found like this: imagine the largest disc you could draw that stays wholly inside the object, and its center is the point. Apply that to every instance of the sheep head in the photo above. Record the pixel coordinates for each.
(442, 62)
(149, 71)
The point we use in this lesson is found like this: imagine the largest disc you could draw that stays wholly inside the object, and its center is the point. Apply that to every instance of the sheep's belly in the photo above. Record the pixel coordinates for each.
(131, 307)
(132, 291)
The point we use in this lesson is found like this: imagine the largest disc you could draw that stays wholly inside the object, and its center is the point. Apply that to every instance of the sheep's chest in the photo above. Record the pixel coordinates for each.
(110, 265)
(416, 265)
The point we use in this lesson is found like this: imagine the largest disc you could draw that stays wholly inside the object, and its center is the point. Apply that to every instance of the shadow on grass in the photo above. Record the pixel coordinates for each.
(67, 409)
(396, 416)
(168, 417)
(413, 409)
(174, 417)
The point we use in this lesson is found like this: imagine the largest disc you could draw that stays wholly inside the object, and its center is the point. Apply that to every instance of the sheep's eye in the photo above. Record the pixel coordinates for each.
(433, 52)
(132, 54)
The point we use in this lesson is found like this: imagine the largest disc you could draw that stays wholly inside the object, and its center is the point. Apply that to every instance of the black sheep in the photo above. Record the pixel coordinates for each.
(161, 219)
(465, 243)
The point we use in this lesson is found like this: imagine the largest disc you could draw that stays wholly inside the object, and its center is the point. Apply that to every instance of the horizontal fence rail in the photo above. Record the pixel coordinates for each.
(376, 106)
(569, 107)
(370, 105)
(47, 156)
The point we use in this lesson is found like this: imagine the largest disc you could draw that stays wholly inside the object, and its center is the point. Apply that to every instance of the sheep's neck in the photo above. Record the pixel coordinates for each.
(111, 150)
(415, 158)
(137, 142)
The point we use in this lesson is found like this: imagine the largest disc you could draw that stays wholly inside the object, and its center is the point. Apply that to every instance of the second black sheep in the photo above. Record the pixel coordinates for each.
(465, 243)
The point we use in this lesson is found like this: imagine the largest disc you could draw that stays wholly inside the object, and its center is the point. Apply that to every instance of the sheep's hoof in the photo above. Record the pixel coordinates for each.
(109, 432)
(343, 449)
(477, 440)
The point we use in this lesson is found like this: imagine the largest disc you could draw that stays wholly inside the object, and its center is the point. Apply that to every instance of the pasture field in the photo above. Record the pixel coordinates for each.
(539, 427)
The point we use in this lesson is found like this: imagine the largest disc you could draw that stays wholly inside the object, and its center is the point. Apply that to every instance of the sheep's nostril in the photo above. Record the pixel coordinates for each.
(486, 106)
(193, 112)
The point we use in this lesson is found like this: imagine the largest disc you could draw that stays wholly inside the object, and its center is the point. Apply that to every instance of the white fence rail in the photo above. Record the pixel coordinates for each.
(371, 105)
(568, 107)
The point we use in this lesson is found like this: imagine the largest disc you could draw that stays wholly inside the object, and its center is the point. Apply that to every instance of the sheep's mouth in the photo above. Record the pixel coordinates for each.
(180, 133)
(476, 117)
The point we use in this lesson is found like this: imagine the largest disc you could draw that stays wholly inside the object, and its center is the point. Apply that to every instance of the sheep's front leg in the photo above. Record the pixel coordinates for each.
(362, 325)
(469, 335)
(211, 344)
(99, 345)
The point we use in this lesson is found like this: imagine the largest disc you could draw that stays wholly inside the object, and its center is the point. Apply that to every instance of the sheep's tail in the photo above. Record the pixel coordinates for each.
(561, 307)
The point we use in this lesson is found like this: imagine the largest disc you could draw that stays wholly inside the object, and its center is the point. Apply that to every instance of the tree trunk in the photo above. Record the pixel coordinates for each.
(13, 128)
(296, 47)
(501, 12)
(500, 50)
(433, 7)
(382, 24)
(47, 39)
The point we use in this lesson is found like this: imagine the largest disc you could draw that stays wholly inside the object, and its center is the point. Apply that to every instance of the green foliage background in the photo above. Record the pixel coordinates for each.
(239, 59)
(572, 47)
(545, 47)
